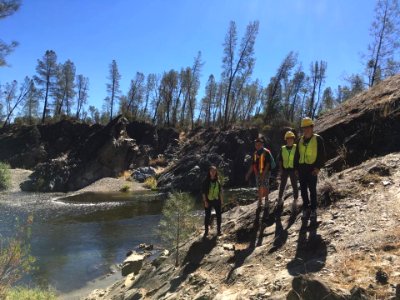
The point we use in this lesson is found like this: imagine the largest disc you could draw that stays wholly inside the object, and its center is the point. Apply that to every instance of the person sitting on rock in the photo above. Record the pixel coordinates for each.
(212, 198)
(261, 166)
(309, 158)
(286, 169)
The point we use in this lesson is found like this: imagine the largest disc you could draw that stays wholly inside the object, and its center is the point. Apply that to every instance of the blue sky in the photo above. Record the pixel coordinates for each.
(156, 35)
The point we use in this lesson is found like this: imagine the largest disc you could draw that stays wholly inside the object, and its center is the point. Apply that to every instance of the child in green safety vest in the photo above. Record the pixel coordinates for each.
(286, 167)
(212, 198)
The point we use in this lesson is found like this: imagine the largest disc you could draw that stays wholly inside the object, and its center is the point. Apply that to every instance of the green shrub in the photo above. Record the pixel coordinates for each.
(177, 221)
(125, 189)
(150, 183)
(23, 293)
(5, 176)
(222, 178)
(15, 258)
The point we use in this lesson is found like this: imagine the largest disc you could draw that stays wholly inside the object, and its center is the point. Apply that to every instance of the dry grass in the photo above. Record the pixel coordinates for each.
(328, 193)
(150, 183)
(359, 268)
(126, 175)
(158, 162)
(343, 154)
(368, 178)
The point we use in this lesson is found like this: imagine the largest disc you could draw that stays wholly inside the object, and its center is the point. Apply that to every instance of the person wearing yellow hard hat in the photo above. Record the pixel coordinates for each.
(308, 160)
(286, 169)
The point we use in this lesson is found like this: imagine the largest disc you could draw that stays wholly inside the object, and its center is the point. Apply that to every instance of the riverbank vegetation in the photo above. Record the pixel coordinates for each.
(15, 262)
(5, 176)
(23, 293)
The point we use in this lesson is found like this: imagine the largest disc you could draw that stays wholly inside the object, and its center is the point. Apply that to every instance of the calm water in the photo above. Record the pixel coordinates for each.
(77, 239)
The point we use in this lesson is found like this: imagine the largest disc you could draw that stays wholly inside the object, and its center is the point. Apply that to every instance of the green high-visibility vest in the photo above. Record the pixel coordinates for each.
(308, 153)
(213, 191)
(288, 157)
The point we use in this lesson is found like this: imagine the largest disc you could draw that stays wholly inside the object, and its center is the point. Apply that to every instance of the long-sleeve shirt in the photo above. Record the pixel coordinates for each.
(321, 156)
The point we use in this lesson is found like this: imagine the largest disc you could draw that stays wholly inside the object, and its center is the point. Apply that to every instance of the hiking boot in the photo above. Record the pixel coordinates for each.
(306, 214)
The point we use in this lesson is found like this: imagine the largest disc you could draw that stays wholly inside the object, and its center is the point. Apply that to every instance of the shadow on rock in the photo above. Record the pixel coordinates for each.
(306, 287)
(246, 235)
(311, 252)
(281, 236)
(192, 261)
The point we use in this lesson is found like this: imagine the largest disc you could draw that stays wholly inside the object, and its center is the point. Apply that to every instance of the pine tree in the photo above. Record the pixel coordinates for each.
(238, 64)
(385, 32)
(113, 88)
(47, 70)
(82, 85)
(7, 8)
(64, 91)
(31, 107)
(177, 221)
(14, 99)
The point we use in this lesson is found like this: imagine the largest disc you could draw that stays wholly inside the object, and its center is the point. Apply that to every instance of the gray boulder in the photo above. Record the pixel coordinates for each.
(142, 173)
(132, 264)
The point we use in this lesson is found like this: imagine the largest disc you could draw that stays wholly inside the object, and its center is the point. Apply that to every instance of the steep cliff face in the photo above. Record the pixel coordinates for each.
(365, 126)
(76, 155)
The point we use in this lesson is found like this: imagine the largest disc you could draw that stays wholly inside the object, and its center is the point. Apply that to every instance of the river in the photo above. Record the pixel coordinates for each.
(77, 239)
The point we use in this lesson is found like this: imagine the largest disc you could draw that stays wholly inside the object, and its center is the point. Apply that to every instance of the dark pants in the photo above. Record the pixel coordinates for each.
(308, 182)
(216, 204)
(293, 180)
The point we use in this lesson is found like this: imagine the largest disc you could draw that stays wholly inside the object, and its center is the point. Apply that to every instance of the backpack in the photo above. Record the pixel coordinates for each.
(273, 163)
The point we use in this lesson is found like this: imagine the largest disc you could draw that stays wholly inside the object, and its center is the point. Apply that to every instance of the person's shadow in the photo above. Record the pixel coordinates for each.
(249, 236)
(281, 235)
(192, 261)
(311, 252)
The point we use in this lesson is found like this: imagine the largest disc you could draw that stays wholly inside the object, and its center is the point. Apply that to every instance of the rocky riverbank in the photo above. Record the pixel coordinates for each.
(103, 185)
(356, 246)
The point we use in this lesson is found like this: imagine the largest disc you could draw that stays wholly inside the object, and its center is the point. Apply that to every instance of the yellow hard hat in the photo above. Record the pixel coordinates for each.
(306, 122)
(289, 134)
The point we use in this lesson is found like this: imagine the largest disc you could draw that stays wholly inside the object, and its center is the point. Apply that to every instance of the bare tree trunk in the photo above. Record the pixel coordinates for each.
(46, 98)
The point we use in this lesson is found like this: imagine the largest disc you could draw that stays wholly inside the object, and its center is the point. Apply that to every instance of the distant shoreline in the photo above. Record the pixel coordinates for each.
(107, 184)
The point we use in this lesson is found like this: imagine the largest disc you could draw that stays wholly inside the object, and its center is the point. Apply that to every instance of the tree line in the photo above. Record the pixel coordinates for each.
(172, 98)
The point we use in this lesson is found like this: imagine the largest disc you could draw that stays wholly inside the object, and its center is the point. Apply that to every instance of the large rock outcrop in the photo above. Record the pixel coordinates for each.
(365, 126)
(96, 153)
(26, 146)
(229, 150)
(105, 153)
